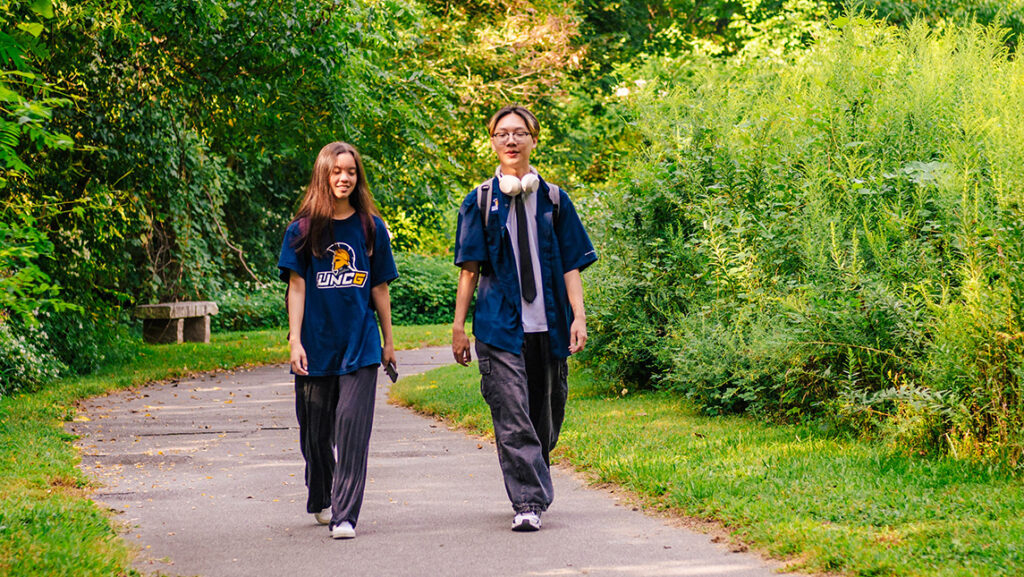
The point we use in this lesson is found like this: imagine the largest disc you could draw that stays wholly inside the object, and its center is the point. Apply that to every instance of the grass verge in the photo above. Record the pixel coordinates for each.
(824, 504)
(48, 525)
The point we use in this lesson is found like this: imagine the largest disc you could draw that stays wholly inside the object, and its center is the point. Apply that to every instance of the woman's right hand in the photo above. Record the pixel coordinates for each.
(298, 359)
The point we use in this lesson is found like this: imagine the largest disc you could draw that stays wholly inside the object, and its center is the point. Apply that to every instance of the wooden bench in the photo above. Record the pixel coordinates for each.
(176, 322)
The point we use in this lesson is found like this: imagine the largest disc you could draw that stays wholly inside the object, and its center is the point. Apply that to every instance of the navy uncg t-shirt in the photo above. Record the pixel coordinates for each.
(339, 327)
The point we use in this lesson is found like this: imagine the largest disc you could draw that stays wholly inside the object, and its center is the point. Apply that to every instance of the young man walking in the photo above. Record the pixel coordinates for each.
(521, 240)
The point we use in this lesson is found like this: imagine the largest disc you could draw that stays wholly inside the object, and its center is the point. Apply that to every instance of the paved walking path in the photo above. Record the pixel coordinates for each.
(207, 477)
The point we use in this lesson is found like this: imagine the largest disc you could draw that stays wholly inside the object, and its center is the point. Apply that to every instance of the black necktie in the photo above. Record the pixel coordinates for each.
(526, 281)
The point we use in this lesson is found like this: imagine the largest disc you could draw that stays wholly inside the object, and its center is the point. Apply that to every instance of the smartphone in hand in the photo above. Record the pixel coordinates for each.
(391, 371)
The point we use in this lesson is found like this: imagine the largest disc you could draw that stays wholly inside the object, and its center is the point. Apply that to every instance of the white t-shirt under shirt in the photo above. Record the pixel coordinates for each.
(534, 316)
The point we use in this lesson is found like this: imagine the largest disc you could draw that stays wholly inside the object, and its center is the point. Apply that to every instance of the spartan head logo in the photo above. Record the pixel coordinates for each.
(344, 256)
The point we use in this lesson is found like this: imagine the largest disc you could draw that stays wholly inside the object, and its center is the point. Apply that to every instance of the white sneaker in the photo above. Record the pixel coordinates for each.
(526, 521)
(323, 517)
(343, 531)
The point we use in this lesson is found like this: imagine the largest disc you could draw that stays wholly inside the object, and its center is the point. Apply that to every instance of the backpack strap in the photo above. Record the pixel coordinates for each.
(483, 200)
(553, 195)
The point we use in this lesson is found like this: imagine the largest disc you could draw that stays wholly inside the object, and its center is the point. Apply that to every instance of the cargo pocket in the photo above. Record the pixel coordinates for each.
(486, 379)
(485, 366)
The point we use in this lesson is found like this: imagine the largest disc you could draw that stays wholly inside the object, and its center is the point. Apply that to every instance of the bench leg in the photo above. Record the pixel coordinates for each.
(197, 329)
(162, 331)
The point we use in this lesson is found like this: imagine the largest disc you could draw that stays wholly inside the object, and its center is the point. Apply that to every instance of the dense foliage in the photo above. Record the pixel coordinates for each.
(800, 231)
(837, 234)
(194, 127)
(245, 306)
(424, 293)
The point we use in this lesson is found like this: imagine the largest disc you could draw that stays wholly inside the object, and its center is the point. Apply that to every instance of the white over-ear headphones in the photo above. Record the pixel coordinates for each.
(513, 186)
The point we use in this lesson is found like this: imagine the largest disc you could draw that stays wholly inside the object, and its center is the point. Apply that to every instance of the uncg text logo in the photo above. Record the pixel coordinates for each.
(343, 273)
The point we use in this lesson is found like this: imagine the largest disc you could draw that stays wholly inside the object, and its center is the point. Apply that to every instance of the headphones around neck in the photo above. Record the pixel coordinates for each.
(513, 186)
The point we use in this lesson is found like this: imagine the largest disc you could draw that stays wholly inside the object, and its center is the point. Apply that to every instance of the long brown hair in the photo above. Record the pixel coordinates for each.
(317, 208)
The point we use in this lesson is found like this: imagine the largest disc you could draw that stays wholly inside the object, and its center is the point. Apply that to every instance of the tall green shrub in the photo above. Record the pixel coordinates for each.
(251, 306)
(28, 100)
(195, 125)
(208, 115)
(424, 292)
(830, 234)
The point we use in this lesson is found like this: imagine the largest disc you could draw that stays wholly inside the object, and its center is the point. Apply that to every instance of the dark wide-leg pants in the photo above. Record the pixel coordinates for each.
(335, 417)
(526, 393)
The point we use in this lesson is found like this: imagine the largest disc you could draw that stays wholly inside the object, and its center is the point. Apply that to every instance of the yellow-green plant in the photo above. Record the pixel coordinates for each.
(834, 234)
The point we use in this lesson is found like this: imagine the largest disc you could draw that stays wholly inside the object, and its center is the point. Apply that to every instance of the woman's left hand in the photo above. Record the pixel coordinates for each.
(387, 355)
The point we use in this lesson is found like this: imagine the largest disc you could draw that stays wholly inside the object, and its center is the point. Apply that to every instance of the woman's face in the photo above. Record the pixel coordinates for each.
(343, 177)
(512, 142)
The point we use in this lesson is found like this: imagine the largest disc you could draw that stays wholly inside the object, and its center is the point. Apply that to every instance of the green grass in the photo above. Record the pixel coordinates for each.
(414, 337)
(824, 504)
(48, 525)
(451, 393)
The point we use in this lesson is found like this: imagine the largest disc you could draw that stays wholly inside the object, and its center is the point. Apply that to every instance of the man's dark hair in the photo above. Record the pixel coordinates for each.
(531, 121)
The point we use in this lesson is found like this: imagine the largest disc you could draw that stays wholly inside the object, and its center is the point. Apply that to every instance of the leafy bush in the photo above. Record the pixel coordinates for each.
(25, 364)
(84, 341)
(425, 290)
(1009, 15)
(250, 306)
(56, 343)
(834, 234)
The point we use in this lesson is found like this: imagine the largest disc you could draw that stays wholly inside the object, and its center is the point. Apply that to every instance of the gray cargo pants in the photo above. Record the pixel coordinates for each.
(526, 393)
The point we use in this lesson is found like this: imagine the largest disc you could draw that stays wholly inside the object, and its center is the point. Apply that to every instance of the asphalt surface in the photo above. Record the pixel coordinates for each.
(206, 476)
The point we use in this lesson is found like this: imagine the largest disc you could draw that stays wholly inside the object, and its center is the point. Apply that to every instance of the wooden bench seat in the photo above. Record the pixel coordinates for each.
(176, 322)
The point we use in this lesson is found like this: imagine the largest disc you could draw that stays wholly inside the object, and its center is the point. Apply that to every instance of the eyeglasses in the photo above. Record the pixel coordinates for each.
(518, 135)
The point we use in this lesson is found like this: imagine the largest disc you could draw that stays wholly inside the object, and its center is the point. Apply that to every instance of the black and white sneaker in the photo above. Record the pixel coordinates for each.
(526, 521)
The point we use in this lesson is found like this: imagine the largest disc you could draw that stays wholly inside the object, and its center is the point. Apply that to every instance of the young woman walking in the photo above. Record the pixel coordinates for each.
(337, 261)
